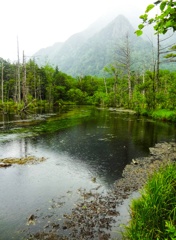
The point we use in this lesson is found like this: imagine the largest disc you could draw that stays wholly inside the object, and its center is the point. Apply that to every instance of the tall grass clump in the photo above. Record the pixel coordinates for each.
(153, 215)
(165, 115)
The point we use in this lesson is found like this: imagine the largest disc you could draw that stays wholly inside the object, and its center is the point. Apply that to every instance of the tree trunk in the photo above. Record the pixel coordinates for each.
(157, 62)
(124, 59)
(2, 82)
(24, 89)
(105, 86)
(18, 74)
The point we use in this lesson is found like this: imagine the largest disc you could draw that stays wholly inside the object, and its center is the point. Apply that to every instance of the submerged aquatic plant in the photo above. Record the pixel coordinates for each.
(48, 123)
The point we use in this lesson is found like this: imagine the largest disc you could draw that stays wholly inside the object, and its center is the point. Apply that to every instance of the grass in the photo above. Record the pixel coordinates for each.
(153, 215)
(165, 115)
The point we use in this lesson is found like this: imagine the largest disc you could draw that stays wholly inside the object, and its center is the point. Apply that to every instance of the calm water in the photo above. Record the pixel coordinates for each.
(100, 146)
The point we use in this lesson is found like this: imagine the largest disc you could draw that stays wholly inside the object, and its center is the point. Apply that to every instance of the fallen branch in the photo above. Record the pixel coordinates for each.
(26, 106)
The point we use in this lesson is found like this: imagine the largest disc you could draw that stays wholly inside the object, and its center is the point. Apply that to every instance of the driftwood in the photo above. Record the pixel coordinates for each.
(7, 162)
(4, 165)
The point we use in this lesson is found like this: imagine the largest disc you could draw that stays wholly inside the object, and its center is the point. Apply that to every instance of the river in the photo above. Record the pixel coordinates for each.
(98, 147)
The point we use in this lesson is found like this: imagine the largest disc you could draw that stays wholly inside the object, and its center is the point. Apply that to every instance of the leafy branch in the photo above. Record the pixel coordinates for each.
(164, 21)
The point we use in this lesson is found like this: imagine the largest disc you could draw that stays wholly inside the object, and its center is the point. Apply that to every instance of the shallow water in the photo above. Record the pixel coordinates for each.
(99, 146)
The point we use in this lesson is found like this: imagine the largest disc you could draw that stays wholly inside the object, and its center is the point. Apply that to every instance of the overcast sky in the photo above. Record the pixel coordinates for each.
(41, 23)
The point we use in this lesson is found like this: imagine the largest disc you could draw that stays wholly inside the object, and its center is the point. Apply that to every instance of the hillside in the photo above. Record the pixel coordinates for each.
(87, 52)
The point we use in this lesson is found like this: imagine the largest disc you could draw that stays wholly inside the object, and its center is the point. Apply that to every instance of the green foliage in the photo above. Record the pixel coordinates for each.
(165, 115)
(162, 22)
(141, 26)
(101, 99)
(139, 32)
(149, 8)
(173, 48)
(171, 230)
(139, 101)
(76, 95)
(48, 87)
(153, 215)
(170, 55)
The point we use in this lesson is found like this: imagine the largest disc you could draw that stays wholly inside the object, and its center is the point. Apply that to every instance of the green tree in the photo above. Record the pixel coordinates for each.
(33, 79)
(49, 72)
(115, 71)
(164, 21)
(76, 95)
(62, 84)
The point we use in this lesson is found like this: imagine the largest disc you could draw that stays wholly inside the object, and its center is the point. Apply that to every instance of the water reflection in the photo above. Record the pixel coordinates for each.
(99, 147)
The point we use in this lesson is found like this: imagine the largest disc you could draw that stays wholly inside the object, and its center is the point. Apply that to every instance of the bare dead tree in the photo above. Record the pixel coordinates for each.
(24, 88)
(18, 74)
(2, 82)
(124, 59)
(161, 51)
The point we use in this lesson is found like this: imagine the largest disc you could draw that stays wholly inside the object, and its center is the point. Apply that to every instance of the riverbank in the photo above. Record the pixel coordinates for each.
(164, 115)
(94, 216)
(160, 114)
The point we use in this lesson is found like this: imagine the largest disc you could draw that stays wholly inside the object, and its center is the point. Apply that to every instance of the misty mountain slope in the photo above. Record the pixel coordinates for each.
(70, 46)
(87, 53)
(100, 49)
(67, 53)
(45, 55)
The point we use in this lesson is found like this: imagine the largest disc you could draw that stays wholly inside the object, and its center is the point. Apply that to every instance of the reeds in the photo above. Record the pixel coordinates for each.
(153, 215)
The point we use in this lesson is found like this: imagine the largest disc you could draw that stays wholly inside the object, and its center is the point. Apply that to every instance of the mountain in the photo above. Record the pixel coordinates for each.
(87, 52)
(45, 55)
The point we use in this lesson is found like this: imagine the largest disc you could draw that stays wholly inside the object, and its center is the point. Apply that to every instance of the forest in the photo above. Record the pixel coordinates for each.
(28, 86)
